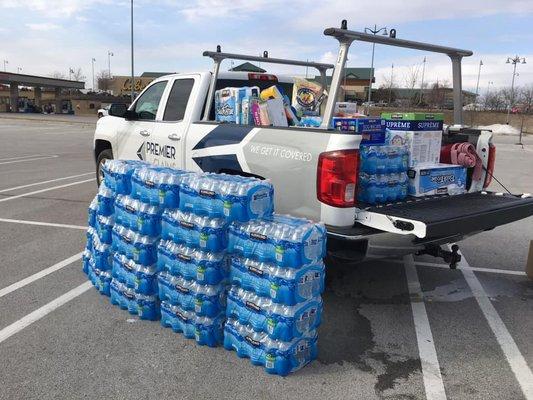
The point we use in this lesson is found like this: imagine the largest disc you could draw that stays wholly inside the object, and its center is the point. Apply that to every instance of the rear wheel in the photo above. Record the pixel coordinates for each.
(104, 155)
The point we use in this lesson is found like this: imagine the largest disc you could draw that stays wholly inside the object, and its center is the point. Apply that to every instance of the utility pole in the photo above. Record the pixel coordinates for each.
(132, 70)
(391, 80)
(514, 61)
(477, 84)
(374, 31)
(422, 82)
(93, 60)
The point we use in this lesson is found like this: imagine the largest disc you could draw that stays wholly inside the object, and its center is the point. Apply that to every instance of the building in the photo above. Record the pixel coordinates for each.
(248, 67)
(120, 85)
(20, 92)
(354, 85)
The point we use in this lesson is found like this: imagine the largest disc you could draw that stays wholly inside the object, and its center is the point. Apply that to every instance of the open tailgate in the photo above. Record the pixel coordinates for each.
(445, 216)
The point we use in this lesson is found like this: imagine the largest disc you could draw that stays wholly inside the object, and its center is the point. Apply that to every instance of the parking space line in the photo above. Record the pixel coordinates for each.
(46, 190)
(29, 159)
(19, 157)
(41, 274)
(516, 360)
(38, 223)
(433, 383)
(476, 269)
(44, 182)
(36, 315)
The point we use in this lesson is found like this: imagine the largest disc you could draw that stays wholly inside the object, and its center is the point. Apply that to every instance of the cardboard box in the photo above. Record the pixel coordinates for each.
(372, 130)
(429, 180)
(344, 109)
(413, 116)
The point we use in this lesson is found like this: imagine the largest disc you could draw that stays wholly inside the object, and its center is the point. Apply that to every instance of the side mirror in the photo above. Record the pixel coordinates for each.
(118, 110)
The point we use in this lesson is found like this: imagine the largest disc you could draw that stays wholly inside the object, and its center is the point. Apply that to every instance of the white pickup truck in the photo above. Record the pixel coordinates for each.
(314, 171)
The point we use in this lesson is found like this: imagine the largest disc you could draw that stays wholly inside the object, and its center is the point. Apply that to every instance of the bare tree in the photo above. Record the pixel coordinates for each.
(57, 75)
(494, 101)
(526, 98)
(77, 75)
(104, 80)
(436, 96)
(411, 79)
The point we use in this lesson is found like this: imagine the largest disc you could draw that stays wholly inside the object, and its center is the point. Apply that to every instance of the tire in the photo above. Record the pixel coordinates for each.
(106, 154)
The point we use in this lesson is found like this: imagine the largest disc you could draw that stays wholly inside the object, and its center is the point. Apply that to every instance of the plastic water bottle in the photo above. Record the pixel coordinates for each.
(382, 160)
(369, 159)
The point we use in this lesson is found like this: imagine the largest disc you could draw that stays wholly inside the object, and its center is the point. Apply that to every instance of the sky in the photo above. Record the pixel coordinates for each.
(42, 36)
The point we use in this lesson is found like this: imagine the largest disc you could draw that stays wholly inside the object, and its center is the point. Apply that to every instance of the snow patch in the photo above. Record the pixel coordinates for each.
(501, 129)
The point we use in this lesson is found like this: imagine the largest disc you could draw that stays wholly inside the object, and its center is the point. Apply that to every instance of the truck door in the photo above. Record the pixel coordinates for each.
(166, 146)
(133, 133)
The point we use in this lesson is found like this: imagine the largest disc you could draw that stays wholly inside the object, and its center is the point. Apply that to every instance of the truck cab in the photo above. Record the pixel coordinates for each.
(314, 170)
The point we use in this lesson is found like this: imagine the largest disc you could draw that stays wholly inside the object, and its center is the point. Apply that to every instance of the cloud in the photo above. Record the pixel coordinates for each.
(234, 9)
(55, 9)
(45, 26)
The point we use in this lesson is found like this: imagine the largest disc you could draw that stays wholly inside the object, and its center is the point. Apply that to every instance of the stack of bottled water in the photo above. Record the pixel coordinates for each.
(136, 234)
(274, 305)
(97, 255)
(193, 278)
(383, 174)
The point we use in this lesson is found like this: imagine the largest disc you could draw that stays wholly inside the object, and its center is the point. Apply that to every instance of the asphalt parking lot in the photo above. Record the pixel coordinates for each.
(392, 329)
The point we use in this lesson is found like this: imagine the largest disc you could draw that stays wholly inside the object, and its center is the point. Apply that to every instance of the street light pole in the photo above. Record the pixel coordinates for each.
(109, 55)
(477, 84)
(132, 71)
(92, 61)
(374, 31)
(513, 61)
(5, 63)
(19, 70)
(422, 82)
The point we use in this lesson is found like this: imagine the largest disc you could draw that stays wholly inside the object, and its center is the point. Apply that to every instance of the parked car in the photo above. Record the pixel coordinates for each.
(104, 111)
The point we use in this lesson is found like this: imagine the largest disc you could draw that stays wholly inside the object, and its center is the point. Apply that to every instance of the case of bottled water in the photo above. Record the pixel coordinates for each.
(85, 259)
(208, 234)
(206, 331)
(90, 234)
(384, 159)
(280, 239)
(100, 279)
(233, 197)
(91, 212)
(203, 300)
(279, 321)
(141, 249)
(142, 279)
(379, 189)
(106, 198)
(206, 268)
(146, 307)
(157, 185)
(102, 254)
(104, 228)
(117, 174)
(138, 216)
(283, 285)
(275, 356)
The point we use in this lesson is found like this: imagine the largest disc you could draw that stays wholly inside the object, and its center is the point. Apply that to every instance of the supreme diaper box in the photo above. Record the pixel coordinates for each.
(428, 180)
(372, 130)
(420, 132)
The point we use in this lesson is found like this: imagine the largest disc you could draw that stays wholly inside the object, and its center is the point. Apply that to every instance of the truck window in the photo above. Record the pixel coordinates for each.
(147, 104)
(177, 99)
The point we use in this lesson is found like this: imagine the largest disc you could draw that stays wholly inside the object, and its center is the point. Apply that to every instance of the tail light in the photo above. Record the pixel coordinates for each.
(262, 77)
(490, 165)
(337, 177)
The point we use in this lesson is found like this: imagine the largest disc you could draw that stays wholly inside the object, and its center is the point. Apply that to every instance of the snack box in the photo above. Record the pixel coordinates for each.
(372, 130)
(428, 180)
(413, 116)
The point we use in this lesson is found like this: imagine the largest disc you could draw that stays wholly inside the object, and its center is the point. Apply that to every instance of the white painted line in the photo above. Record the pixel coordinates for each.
(45, 190)
(433, 384)
(41, 274)
(44, 182)
(20, 157)
(38, 223)
(476, 269)
(29, 159)
(516, 360)
(446, 266)
(36, 315)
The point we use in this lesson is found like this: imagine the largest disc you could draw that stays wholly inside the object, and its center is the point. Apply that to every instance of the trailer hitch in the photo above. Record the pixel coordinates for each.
(451, 257)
